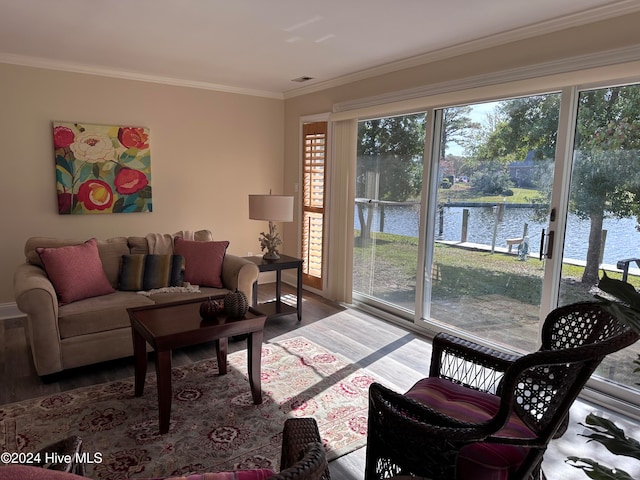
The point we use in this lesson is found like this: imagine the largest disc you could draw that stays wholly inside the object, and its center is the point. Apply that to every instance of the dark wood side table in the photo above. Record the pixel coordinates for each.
(178, 324)
(277, 308)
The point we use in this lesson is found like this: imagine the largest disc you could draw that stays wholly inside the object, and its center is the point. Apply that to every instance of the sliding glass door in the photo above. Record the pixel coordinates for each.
(387, 210)
(479, 219)
(603, 205)
(494, 164)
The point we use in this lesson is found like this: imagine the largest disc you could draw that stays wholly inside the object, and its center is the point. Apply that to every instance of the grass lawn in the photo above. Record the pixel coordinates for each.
(461, 272)
(462, 192)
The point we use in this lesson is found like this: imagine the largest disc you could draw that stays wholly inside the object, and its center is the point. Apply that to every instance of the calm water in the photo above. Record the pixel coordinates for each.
(623, 240)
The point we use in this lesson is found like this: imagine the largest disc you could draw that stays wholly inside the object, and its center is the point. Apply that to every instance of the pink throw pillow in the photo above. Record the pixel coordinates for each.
(75, 271)
(202, 261)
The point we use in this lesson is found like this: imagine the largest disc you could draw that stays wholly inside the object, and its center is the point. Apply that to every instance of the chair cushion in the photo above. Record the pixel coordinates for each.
(478, 461)
(25, 472)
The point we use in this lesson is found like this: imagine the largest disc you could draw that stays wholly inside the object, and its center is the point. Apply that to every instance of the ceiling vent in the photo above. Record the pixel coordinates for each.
(302, 79)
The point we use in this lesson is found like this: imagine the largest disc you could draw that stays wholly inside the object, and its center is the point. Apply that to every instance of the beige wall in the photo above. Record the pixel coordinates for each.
(209, 150)
(600, 36)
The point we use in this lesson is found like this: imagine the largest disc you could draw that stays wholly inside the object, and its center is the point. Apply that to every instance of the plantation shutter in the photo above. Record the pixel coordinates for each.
(315, 158)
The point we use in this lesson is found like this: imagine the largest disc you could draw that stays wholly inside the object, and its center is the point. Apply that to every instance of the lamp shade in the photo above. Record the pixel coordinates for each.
(276, 208)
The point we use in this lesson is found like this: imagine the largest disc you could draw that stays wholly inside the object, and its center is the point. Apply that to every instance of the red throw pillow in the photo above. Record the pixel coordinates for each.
(202, 261)
(75, 271)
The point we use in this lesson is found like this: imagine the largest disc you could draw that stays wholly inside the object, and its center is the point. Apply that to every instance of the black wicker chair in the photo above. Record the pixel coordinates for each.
(303, 455)
(486, 414)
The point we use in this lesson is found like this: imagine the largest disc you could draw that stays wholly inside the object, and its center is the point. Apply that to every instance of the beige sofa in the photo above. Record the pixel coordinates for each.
(97, 329)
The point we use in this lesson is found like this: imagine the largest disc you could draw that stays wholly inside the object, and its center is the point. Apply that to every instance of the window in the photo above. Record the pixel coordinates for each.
(314, 154)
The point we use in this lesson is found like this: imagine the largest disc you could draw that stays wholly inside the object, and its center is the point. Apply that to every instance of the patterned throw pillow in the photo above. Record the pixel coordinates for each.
(146, 272)
(75, 271)
(202, 261)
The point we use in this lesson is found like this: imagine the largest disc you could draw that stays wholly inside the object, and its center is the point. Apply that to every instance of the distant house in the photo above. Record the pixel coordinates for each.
(521, 173)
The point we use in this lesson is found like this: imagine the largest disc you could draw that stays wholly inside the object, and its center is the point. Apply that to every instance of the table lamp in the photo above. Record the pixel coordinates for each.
(274, 208)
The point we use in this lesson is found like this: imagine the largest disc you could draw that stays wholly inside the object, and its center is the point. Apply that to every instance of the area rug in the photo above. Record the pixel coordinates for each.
(214, 424)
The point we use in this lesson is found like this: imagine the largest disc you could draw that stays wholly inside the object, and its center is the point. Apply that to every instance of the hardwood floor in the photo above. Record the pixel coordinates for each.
(395, 355)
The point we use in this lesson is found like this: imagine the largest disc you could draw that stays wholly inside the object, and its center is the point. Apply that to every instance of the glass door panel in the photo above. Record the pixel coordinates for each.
(604, 203)
(387, 210)
(495, 173)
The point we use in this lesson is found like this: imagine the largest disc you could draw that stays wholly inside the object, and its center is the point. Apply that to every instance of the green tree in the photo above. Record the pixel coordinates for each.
(458, 127)
(392, 149)
(389, 165)
(606, 171)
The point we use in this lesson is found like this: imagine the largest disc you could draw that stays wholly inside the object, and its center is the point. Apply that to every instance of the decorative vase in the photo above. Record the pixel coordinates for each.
(209, 309)
(236, 304)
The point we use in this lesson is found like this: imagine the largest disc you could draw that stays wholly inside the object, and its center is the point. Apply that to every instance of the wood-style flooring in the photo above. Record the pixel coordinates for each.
(395, 355)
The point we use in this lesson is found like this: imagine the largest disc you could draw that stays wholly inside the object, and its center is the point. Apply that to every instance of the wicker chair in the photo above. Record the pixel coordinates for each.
(303, 455)
(486, 414)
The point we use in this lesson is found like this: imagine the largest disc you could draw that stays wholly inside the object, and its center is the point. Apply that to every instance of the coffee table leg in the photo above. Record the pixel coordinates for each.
(140, 358)
(163, 372)
(254, 359)
(222, 347)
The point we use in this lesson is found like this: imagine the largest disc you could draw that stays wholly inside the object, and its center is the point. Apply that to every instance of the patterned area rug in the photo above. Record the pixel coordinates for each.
(214, 424)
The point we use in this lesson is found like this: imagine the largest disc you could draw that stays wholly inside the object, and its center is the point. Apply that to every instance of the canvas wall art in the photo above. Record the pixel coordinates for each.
(102, 169)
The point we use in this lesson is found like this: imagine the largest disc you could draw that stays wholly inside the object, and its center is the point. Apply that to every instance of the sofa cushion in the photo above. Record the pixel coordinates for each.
(146, 272)
(110, 250)
(98, 314)
(203, 261)
(75, 271)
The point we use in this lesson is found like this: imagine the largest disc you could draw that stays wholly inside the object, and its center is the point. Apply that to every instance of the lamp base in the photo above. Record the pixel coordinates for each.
(270, 242)
(271, 256)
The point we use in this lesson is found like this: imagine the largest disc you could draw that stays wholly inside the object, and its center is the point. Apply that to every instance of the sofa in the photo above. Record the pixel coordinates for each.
(75, 293)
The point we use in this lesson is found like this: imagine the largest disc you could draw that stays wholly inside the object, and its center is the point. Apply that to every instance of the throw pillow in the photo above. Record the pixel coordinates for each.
(75, 271)
(146, 272)
(202, 261)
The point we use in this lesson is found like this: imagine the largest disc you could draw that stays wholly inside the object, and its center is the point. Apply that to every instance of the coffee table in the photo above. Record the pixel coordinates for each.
(178, 324)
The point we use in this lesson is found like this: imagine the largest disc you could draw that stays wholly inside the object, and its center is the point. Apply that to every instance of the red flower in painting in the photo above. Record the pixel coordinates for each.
(95, 195)
(129, 181)
(132, 137)
(62, 137)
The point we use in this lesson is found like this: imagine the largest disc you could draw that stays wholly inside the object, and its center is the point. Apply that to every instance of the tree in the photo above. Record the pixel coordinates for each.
(393, 149)
(390, 161)
(606, 170)
(457, 127)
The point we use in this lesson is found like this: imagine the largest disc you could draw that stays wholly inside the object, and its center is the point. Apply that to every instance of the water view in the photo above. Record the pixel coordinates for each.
(404, 220)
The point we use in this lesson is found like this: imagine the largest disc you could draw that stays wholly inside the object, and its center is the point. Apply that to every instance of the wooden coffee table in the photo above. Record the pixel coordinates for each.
(178, 324)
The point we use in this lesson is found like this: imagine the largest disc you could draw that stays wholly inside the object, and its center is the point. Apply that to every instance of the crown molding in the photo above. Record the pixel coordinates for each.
(38, 62)
(603, 12)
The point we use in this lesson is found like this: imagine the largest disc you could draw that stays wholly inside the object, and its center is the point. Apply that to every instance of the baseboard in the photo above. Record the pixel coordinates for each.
(9, 310)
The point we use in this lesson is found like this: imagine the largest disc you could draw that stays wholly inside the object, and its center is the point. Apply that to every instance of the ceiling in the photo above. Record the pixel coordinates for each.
(260, 46)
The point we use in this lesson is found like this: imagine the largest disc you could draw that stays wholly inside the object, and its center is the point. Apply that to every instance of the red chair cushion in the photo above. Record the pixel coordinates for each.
(477, 461)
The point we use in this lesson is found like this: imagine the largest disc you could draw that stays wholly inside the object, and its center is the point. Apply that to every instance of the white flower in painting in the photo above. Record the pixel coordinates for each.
(93, 147)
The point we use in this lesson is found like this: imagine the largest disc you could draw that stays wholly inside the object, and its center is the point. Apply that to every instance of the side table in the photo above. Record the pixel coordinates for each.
(278, 308)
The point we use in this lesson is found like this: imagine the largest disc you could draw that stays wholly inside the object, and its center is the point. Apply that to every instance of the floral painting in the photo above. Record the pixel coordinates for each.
(102, 169)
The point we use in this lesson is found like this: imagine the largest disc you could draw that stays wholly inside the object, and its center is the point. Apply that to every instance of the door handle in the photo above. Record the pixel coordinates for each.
(548, 251)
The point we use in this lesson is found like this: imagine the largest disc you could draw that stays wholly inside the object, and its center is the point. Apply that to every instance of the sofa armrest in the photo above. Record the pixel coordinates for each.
(36, 297)
(240, 273)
